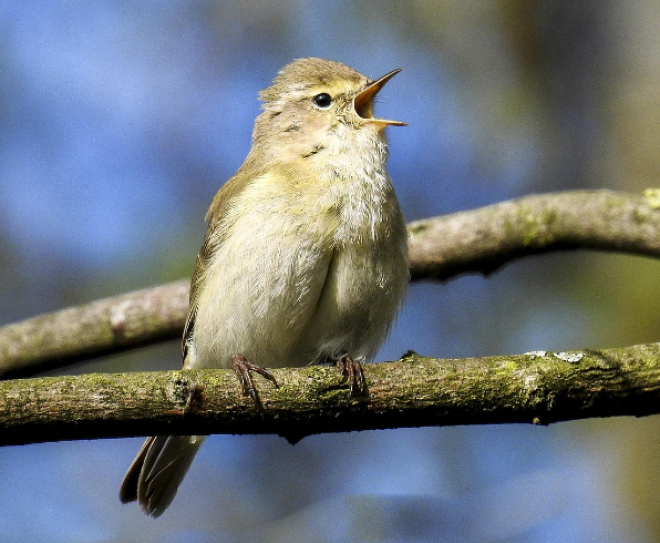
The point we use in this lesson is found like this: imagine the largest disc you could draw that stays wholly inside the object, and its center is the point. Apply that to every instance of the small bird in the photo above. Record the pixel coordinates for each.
(305, 258)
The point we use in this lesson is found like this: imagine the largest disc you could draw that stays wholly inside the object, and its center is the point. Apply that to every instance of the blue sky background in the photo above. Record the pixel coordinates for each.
(120, 120)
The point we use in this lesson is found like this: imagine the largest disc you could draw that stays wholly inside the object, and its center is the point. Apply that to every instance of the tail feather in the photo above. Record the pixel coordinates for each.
(157, 471)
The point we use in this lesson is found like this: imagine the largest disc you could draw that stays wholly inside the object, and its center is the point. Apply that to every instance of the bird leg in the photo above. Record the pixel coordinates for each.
(348, 367)
(243, 367)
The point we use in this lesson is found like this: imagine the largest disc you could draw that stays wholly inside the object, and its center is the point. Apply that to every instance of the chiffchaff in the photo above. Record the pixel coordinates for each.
(305, 258)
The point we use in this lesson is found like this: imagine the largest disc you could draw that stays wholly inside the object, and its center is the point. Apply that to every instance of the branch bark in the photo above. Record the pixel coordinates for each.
(478, 241)
(485, 239)
(102, 327)
(539, 388)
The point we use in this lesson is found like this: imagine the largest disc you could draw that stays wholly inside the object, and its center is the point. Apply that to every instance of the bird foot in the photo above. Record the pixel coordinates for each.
(348, 367)
(243, 367)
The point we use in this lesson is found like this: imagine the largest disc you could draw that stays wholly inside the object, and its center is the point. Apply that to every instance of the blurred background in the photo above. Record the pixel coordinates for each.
(120, 120)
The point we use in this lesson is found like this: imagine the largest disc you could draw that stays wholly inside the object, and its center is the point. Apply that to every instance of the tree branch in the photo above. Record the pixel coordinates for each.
(102, 327)
(478, 241)
(485, 239)
(539, 388)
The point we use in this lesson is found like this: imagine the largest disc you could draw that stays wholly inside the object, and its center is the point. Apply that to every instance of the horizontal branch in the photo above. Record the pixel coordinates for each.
(539, 388)
(478, 241)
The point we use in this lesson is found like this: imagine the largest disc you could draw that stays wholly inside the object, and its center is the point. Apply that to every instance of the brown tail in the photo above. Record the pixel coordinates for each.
(157, 471)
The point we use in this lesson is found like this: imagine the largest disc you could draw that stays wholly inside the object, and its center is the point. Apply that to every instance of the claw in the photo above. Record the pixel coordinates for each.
(243, 367)
(348, 367)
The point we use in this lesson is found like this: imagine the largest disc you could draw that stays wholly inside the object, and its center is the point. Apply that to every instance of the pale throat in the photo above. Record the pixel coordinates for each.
(352, 166)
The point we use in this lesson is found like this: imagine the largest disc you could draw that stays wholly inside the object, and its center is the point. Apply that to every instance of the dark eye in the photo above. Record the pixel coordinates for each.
(323, 100)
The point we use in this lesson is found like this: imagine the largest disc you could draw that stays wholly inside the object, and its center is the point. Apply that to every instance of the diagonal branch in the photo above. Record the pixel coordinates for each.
(102, 327)
(539, 388)
(485, 239)
(478, 241)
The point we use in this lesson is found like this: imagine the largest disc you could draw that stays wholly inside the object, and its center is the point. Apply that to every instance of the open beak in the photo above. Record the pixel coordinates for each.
(364, 102)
